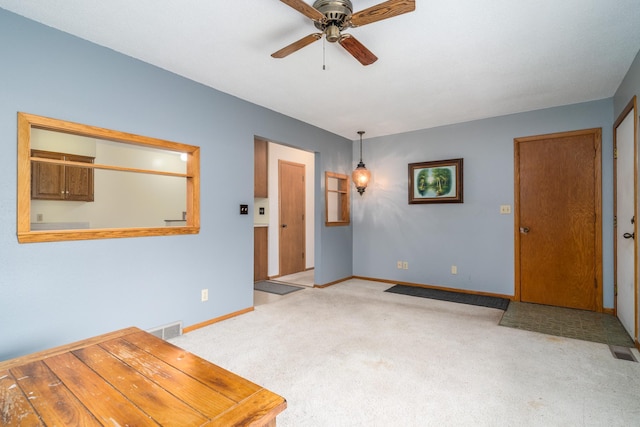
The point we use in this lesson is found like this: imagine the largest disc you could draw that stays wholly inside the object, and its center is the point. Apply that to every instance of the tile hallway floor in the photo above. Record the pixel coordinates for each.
(303, 278)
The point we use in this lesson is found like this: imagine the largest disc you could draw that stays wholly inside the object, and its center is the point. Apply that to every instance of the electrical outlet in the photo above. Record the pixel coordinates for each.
(399, 264)
(405, 265)
(505, 209)
(204, 295)
(454, 269)
(39, 218)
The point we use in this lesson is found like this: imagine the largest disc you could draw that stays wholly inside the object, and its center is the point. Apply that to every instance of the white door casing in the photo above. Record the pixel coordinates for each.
(625, 222)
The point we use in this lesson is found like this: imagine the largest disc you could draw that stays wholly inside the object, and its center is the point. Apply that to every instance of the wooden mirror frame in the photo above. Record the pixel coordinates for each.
(25, 235)
(341, 194)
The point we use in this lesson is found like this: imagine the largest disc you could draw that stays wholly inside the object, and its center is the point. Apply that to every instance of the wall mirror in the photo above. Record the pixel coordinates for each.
(78, 182)
(336, 199)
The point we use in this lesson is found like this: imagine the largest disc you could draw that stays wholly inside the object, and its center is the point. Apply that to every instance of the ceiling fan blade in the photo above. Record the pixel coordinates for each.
(357, 49)
(302, 7)
(305, 41)
(384, 10)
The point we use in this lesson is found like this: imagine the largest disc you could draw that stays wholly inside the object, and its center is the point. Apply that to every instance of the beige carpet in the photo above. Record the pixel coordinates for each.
(354, 355)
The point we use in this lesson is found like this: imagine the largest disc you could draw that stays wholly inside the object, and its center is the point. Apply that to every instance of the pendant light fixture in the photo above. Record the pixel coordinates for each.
(361, 175)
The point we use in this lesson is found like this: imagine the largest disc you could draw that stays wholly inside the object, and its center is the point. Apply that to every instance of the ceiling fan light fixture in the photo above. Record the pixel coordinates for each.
(332, 33)
(331, 17)
(361, 174)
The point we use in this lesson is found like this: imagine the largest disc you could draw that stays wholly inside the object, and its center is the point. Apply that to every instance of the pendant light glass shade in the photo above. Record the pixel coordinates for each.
(361, 175)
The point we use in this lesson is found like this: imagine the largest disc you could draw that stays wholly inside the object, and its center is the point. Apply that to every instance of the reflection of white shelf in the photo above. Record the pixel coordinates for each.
(175, 222)
(39, 226)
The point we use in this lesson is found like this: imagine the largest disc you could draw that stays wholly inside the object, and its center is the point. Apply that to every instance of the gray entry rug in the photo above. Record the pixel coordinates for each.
(274, 288)
(567, 322)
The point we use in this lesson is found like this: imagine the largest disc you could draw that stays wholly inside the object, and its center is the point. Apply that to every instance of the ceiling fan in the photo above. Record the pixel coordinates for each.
(331, 17)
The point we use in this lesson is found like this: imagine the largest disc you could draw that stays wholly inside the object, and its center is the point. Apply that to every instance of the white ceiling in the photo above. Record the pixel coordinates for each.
(447, 62)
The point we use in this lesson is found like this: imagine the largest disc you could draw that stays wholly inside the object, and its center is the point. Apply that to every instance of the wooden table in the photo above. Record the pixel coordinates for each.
(129, 378)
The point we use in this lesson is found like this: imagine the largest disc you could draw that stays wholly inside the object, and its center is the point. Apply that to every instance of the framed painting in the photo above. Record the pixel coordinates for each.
(435, 182)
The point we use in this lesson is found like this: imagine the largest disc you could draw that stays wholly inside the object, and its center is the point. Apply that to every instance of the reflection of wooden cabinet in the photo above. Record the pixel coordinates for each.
(260, 258)
(60, 182)
(260, 173)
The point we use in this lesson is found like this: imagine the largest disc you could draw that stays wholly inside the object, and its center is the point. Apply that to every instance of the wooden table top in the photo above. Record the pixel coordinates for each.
(126, 378)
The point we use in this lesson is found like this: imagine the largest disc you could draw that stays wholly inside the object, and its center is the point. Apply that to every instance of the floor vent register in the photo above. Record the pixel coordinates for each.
(167, 331)
(622, 353)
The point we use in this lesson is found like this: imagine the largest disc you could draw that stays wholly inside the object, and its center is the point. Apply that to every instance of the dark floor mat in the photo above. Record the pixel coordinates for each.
(274, 288)
(459, 297)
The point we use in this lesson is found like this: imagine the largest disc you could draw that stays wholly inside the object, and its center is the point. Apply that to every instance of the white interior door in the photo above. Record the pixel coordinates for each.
(625, 215)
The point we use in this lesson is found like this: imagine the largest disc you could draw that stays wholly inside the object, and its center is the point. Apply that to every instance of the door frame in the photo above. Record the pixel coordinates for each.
(598, 206)
(630, 108)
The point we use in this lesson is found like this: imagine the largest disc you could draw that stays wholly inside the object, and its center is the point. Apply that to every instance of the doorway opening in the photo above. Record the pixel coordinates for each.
(301, 195)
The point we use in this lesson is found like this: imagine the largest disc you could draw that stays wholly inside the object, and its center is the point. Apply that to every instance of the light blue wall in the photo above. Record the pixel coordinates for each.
(55, 293)
(474, 236)
(629, 87)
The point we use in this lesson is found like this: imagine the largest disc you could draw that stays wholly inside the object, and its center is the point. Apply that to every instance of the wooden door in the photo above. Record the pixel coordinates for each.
(558, 219)
(625, 225)
(292, 221)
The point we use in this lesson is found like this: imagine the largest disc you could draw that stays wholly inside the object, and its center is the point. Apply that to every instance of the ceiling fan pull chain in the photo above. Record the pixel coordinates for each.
(324, 51)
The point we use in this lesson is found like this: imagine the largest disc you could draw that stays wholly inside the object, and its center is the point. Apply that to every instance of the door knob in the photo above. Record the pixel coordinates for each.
(524, 230)
(628, 235)
(284, 225)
